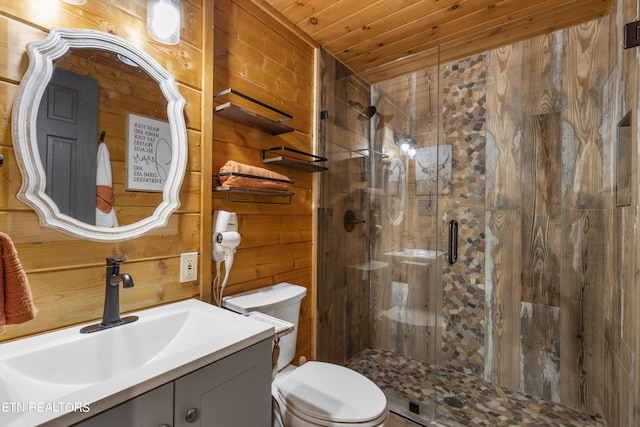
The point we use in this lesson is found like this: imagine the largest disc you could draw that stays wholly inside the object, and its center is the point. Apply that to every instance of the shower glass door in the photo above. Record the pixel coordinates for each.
(413, 173)
(381, 250)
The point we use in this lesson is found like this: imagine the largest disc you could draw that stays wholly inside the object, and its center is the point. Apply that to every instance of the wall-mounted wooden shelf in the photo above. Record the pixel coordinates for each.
(275, 156)
(248, 117)
(274, 196)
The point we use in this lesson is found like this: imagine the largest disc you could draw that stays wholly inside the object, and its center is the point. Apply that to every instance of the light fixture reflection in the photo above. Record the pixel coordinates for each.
(76, 2)
(163, 20)
(408, 146)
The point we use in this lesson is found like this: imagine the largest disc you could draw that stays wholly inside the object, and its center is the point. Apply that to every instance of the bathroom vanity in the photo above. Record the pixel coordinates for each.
(181, 363)
(230, 391)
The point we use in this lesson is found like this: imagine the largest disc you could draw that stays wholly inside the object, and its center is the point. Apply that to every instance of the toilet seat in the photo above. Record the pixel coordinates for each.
(331, 395)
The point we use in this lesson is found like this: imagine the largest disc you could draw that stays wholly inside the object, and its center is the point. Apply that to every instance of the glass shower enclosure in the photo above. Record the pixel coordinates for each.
(462, 230)
(381, 248)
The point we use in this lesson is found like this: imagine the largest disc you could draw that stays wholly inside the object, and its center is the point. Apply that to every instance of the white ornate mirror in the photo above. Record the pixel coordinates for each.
(396, 191)
(93, 54)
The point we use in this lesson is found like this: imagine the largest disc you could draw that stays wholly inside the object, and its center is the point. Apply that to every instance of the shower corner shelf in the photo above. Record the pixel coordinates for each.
(271, 156)
(248, 117)
(278, 197)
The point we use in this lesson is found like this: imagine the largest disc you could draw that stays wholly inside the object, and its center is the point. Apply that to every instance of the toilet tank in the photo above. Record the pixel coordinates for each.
(281, 301)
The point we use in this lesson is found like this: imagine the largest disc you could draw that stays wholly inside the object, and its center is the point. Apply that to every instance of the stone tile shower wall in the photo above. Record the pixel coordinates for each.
(464, 116)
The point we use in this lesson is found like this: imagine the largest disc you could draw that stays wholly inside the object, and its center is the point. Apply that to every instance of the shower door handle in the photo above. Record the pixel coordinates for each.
(453, 242)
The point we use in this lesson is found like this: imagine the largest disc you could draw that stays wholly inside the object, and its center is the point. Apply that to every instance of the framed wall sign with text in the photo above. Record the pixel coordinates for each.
(148, 153)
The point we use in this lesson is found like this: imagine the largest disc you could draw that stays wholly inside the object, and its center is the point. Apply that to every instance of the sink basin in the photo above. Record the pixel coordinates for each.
(65, 366)
(416, 253)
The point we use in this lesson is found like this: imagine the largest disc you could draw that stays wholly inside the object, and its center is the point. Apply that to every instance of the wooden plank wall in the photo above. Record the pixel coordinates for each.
(253, 54)
(259, 57)
(67, 275)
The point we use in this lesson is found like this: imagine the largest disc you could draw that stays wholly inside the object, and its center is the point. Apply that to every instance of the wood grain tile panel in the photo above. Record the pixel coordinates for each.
(540, 348)
(584, 110)
(541, 197)
(582, 329)
(541, 82)
(504, 127)
(541, 260)
(503, 250)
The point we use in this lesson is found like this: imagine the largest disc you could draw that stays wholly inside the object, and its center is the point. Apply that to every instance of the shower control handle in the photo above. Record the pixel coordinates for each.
(453, 242)
(350, 220)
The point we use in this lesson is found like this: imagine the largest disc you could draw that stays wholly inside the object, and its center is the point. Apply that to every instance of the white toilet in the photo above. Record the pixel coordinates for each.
(316, 393)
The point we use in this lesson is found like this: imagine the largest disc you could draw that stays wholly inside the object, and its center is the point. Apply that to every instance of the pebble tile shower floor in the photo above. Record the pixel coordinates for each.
(483, 403)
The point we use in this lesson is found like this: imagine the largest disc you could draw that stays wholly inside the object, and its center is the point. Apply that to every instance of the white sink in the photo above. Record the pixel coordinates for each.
(416, 253)
(43, 376)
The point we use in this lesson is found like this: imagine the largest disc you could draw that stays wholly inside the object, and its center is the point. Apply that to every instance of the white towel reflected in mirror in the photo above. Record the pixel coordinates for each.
(105, 212)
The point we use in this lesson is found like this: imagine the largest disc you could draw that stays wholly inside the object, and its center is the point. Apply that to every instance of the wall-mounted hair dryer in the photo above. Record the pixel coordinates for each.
(225, 241)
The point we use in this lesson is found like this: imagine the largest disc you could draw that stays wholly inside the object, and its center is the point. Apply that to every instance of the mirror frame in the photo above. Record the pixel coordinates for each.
(402, 183)
(42, 54)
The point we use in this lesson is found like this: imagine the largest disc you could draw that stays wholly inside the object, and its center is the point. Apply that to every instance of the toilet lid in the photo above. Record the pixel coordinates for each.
(324, 391)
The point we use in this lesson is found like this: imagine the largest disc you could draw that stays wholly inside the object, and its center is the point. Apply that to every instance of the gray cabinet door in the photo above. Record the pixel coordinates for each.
(232, 392)
(152, 409)
(68, 140)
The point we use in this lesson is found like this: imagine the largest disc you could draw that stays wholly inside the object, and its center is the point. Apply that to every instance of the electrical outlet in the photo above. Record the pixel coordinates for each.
(188, 266)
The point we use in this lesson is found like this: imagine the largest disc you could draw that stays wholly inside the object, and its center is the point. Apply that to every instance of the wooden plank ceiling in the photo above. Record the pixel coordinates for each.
(381, 39)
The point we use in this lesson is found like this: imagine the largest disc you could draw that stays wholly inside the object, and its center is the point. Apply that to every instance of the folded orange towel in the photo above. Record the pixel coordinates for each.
(233, 167)
(16, 303)
(104, 198)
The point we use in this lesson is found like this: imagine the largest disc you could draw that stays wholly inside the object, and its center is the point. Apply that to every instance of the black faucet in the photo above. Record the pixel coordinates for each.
(111, 314)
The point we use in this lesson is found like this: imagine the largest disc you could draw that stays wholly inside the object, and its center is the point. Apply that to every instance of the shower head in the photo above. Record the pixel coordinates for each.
(365, 112)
